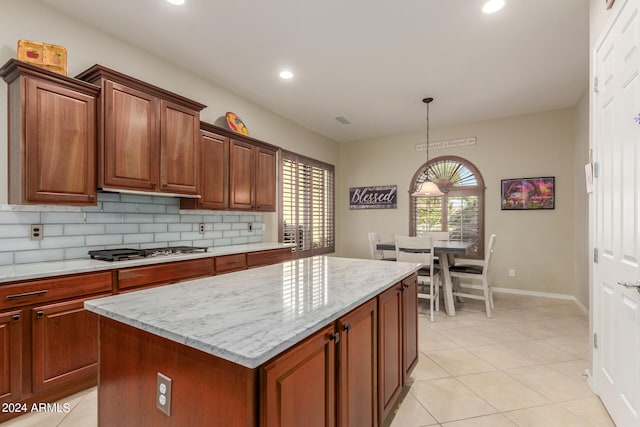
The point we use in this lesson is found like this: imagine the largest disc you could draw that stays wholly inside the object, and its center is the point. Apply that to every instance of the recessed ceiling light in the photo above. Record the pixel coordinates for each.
(286, 74)
(176, 2)
(493, 6)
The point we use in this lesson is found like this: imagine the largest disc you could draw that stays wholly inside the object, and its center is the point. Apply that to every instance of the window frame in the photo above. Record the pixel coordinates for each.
(302, 249)
(448, 189)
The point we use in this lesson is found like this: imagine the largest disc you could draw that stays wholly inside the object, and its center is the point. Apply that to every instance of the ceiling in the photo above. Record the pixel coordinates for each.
(369, 61)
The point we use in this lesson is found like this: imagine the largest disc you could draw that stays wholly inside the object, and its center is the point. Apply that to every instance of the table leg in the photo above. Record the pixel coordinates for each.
(447, 286)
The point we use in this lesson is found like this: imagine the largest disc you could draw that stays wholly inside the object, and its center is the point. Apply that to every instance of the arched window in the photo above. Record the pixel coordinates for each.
(460, 211)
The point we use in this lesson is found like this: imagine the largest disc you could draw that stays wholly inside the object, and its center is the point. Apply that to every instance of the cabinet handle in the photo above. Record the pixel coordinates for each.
(405, 285)
(27, 294)
(165, 185)
(16, 317)
(335, 337)
(153, 185)
(39, 315)
(347, 328)
(92, 197)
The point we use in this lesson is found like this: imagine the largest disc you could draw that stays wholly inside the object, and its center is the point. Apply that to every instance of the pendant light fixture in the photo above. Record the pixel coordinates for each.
(428, 188)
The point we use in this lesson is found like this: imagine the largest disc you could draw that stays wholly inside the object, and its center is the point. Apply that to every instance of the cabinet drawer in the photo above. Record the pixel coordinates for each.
(228, 263)
(162, 274)
(256, 259)
(59, 288)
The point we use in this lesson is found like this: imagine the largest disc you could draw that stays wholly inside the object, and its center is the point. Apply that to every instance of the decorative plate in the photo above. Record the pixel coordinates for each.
(236, 124)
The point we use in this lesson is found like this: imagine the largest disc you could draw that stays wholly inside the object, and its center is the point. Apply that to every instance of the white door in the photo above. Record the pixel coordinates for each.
(616, 317)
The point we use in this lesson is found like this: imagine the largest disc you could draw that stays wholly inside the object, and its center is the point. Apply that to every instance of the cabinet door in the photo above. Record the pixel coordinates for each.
(410, 324)
(357, 381)
(298, 387)
(241, 175)
(131, 146)
(60, 141)
(10, 356)
(65, 344)
(179, 149)
(214, 171)
(265, 188)
(390, 370)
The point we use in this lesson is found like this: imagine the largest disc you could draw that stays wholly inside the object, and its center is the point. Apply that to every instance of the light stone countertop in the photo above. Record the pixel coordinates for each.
(250, 316)
(15, 272)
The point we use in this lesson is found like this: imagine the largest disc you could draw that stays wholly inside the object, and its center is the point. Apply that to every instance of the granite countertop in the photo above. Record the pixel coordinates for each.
(250, 316)
(10, 273)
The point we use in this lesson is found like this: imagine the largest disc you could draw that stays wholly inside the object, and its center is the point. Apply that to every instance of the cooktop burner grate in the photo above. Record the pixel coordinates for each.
(128, 253)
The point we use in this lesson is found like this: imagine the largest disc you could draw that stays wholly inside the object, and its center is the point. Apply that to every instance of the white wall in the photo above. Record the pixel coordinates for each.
(538, 244)
(31, 20)
(582, 260)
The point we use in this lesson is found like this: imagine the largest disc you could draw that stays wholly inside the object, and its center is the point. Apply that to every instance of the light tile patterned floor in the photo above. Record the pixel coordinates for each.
(521, 368)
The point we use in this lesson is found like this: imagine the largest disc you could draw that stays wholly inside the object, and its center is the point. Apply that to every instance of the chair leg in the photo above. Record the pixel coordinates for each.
(431, 301)
(437, 292)
(487, 297)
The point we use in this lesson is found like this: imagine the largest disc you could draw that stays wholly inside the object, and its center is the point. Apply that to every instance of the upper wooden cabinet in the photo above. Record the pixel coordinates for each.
(52, 137)
(147, 137)
(236, 172)
(252, 177)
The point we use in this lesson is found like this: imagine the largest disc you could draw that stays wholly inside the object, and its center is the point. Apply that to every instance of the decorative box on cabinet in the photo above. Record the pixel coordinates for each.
(148, 137)
(52, 136)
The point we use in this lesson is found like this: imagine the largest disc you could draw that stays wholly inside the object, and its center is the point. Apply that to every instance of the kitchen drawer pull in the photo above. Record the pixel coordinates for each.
(39, 314)
(16, 317)
(27, 294)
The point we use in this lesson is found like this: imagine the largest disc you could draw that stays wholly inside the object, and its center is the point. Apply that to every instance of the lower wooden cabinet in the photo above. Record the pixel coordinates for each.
(358, 361)
(64, 344)
(134, 278)
(229, 263)
(298, 387)
(329, 379)
(398, 341)
(10, 356)
(274, 256)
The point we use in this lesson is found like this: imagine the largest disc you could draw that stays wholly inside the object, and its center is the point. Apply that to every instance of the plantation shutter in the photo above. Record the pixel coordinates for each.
(307, 205)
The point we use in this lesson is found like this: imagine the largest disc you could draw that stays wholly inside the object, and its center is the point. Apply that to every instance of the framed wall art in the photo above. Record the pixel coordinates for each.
(380, 197)
(528, 193)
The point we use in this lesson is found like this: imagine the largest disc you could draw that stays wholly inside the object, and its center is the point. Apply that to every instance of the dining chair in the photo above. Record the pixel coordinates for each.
(436, 235)
(374, 239)
(420, 249)
(463, 274)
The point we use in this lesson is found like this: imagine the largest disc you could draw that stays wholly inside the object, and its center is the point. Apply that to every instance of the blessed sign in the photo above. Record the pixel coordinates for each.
(382, 197)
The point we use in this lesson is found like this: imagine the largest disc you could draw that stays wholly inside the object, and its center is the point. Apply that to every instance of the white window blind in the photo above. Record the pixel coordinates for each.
(307, 205)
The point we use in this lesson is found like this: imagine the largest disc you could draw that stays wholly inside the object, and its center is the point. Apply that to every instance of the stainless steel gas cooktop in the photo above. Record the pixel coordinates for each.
(126, 253)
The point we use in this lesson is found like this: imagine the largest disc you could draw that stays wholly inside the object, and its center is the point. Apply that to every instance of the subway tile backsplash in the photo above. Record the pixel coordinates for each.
(118, 221)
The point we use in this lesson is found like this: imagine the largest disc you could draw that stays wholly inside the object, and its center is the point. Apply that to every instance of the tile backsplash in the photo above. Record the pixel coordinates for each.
(118, 221)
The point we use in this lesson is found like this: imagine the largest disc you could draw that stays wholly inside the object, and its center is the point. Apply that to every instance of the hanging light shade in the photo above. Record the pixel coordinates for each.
(428, 188)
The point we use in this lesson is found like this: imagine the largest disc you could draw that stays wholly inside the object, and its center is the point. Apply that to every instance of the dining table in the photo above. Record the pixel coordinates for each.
(445, 250)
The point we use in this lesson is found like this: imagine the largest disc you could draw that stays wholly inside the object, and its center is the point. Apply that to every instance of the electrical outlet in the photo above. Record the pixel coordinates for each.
(35, 232)
(202, 228)
(512, 272)
(163, 397)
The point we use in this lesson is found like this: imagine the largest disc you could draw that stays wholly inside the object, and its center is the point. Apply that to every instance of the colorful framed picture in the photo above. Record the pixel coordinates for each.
(528, 193)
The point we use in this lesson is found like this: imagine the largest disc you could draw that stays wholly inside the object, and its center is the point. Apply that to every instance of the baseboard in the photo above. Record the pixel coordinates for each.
(584, 309)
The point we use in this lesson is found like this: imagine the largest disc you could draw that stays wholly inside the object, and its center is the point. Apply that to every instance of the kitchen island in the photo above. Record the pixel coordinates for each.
(316, 341)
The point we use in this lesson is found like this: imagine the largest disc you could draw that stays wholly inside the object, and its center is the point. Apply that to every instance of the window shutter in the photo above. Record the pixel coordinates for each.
(308, 206)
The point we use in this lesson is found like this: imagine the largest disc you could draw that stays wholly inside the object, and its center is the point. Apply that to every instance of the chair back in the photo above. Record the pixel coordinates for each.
(436, 235)
(420, 243)
(374, 239)
(488, 256)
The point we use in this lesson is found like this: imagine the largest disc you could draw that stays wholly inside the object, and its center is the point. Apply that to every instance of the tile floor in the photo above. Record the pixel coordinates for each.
(521, 368)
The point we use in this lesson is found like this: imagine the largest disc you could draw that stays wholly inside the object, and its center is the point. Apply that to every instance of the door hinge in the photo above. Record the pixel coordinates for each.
(595, 84)
(596, 169)
(595, 255)
(595, 341)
